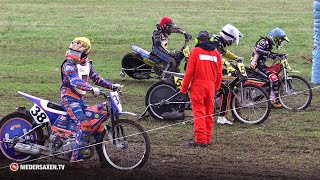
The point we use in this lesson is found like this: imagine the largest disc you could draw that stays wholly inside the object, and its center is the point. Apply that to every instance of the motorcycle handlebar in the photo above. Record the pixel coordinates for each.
(104, 91)
(185, 43)
(281, 56)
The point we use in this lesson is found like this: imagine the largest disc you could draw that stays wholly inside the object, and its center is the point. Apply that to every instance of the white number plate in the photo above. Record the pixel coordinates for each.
(39, 115)
(116, 100)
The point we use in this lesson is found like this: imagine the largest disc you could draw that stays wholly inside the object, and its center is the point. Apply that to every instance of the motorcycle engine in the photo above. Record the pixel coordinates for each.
(68, 146)
(55, 141)
(60, 144)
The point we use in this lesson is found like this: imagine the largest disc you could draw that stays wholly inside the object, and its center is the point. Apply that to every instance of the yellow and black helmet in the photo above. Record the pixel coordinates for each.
(79, 49)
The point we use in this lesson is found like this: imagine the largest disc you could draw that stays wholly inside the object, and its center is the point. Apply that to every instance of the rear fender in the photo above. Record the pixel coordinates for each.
(24, 111)
(255, 81)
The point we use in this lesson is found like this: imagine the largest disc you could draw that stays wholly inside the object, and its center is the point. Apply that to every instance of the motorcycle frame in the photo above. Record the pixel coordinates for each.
(236, 83)
(114, 115)
(145, 58)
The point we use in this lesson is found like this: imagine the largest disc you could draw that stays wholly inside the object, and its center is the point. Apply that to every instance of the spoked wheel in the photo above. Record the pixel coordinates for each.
(130, 148)
(252, 105)
(158, 99)
(13, 126)
(296, 94)
(134, 67)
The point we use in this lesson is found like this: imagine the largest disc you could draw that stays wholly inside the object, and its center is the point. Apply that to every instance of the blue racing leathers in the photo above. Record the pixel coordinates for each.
(73, 89)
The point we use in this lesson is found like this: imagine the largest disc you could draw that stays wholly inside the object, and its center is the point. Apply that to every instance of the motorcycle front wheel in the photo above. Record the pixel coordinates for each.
(251, 105)
(130, 147)
(295, 94)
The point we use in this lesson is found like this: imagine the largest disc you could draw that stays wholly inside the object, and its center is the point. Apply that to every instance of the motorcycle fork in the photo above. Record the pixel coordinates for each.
(285, 79)
(242, 96)
(116, 134)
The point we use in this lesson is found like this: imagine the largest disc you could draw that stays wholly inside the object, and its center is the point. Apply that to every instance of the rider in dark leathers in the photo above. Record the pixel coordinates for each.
(262, 51)
(160, 38)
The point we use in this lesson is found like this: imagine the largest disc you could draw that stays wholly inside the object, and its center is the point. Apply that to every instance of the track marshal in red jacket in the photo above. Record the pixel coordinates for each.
(203, 76)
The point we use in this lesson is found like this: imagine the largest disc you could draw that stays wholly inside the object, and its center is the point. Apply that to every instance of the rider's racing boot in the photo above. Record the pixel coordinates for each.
(102, 159)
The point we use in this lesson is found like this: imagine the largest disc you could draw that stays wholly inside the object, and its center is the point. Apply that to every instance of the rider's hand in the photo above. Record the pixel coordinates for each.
(273, 55)
(239, 59)
(173, 54)
(116, 87)
(95, 91)
(179, 54)
(187, 36)
(230, 69)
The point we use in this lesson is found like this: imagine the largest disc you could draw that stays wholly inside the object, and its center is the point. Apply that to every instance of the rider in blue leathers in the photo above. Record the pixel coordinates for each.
(75, 72)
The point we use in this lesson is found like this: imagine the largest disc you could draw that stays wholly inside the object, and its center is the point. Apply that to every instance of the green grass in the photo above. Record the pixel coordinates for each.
(34, 35)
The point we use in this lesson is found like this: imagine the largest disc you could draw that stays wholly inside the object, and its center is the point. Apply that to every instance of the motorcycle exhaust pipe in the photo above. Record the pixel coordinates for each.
(173, 116)
(27, 149)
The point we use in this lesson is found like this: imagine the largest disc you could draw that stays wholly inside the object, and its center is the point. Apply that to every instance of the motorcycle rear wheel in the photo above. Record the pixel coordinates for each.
(14, 125)
(132, 62)
(162, 91)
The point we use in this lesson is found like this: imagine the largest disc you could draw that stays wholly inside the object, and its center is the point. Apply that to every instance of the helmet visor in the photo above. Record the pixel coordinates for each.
(286, 38)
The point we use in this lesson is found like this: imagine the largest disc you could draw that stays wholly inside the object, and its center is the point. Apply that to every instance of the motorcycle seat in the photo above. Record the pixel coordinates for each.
(55, 106)
(144, 53)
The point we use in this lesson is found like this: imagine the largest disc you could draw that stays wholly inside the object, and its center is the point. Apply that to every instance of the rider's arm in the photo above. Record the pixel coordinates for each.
(261, 51)
(98, 80)
(156, 42)
(230, 55)
(178, 30)
(71, 72)
(262, 48)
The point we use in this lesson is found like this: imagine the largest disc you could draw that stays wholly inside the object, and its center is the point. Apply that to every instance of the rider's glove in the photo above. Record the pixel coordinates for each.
(289, 68)
(239, 59)
(230, 69)
(173, 54)
(179, 54)
(95, 91)
(273, 55)
(116, 87)
(187, 35)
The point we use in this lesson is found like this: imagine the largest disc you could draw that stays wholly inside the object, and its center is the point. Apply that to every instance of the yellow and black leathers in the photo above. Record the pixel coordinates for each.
(221, 45)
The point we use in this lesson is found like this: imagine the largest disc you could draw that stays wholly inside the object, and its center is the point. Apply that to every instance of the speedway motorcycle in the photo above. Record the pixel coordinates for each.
(46, 129)
(141, 64)
(294, 91)
(249, 103)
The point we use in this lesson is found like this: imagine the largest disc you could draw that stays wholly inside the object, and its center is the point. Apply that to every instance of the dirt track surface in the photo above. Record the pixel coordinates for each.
(269, 151)
(167, 170)
(181, 163)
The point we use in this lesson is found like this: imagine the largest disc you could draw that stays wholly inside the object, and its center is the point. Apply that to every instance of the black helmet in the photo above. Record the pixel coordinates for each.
(203, 36)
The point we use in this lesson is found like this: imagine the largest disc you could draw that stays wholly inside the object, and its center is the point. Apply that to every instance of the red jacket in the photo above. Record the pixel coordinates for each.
(203, 65)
